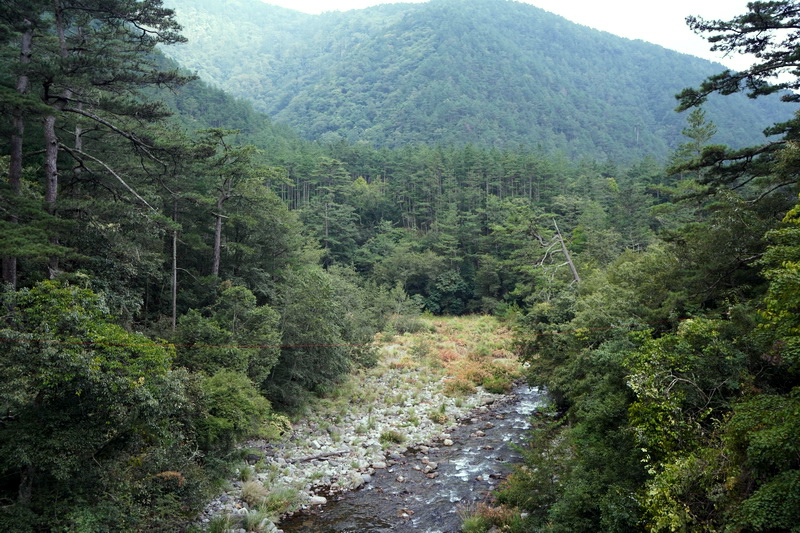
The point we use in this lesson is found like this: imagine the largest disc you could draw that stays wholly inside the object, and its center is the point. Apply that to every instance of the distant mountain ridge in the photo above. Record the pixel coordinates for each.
(489, 72)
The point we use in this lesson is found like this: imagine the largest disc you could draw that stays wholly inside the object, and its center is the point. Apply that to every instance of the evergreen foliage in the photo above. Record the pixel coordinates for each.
(98, 431)
(701, 392)
(659, 309)
(488, 72)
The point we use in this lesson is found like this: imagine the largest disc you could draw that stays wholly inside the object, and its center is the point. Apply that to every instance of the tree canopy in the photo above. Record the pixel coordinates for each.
(179, 269)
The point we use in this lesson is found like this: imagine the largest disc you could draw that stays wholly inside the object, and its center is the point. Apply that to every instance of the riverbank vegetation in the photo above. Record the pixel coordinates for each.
(673, 370)
(181, 274)
(338, 440)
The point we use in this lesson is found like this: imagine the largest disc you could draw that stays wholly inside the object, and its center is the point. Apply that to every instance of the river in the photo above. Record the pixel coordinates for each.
(424, 489)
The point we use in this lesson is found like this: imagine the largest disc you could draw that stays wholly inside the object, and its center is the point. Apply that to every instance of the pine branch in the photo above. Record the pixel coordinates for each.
(73, 151)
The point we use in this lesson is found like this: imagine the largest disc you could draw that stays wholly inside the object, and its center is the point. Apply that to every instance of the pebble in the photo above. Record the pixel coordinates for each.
(354, 456)
(317, 500)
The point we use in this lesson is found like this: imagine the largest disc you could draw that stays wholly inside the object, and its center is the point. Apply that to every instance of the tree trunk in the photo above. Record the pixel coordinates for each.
(218, 236)
(18, 131)
(574, 270)
(51, 180)
(51, 163)
(51, 139)
(10, 271)
(26, 485)
(225, 194)
(15, 168)
(217, 246)
(78, 128)
(174, 267)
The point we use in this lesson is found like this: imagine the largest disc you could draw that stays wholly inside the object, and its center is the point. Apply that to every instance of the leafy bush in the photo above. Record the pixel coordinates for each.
(232, 409)
(411, 324)
(391, 436)
(469, 370)
(497, 385)
(99, 436)
(420, 348)
(233, 334)
(438, 416)
(459, 387)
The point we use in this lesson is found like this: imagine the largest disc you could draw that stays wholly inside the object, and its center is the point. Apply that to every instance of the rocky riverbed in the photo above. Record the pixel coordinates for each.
(428, 489)
(341, 443)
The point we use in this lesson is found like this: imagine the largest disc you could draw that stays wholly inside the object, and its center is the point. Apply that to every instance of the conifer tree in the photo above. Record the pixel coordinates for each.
(768, 31)
(87, 64)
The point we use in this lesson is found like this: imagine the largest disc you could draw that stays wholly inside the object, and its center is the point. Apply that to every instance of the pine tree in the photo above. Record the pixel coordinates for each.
(88, 65)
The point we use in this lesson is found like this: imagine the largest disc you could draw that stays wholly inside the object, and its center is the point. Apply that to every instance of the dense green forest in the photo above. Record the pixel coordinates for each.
(494, 73)
(674, 370)
(180, 271)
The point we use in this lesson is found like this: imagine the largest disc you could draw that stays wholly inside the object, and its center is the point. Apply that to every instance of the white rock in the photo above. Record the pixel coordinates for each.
(317, 500)
(430, 467)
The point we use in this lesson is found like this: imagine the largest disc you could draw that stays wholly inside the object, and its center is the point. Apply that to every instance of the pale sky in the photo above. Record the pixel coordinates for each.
(661, 22)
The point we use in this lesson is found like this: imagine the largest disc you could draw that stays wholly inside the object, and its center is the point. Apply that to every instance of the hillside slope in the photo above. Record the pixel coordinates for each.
(490, 72)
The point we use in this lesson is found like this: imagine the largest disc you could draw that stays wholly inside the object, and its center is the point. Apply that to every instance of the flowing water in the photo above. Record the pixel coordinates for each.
(422, 490)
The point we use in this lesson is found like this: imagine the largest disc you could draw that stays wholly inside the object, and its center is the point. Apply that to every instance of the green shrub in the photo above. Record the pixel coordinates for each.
(420, 348)
(246, 473)
(101, 433)
(255, 521)
(475, 524)
(254, 493)
(233, 409)
(438, 416)
(391, 436)
(497, 385)
(281, 500)
(412, 324)
(220, 524)
(458, 387)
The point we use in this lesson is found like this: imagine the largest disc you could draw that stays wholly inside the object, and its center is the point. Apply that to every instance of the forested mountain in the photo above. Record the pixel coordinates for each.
(490, 72)
(179, 269)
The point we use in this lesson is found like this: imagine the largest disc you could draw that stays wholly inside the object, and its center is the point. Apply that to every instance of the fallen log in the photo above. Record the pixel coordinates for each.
(318, 456)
